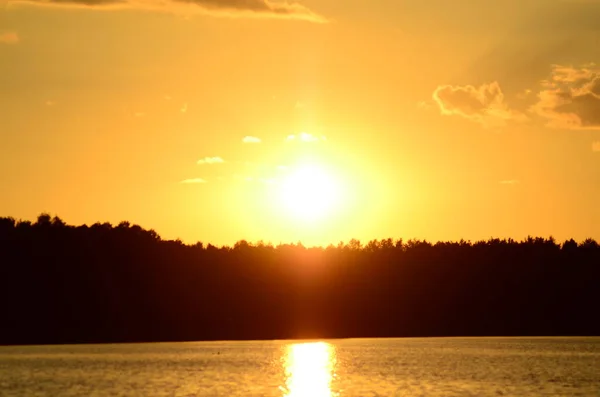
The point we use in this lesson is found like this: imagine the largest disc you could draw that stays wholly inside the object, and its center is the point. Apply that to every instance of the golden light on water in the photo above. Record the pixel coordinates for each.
(309, 370)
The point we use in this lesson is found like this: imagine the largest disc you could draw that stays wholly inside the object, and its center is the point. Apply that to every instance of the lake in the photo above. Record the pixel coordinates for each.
(348, 367)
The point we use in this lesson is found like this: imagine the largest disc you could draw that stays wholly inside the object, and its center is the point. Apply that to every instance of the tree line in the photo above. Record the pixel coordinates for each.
(123, 283)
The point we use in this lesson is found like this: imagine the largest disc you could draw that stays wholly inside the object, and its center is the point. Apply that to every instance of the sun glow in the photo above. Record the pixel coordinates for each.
(310, 192)
(310, 370)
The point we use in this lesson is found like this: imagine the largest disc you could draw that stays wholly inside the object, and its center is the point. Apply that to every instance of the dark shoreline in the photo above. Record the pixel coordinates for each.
(108, 284)
(310, 340)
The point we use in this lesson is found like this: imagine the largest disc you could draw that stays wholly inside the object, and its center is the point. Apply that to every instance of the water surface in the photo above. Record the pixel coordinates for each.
(340, 368)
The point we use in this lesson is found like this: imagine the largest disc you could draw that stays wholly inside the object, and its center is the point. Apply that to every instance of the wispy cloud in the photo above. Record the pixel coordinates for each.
(251, 139)
(192, 181)
(226, 8)
(211, 160)
(524, 94)
(484, 104)
(571, 98)
(509, 182)
(596, 146)
(305, 137)
(424, 105)
(9, 37)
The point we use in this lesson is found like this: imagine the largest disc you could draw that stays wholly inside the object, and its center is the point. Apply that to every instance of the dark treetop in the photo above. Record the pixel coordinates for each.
(99, 283)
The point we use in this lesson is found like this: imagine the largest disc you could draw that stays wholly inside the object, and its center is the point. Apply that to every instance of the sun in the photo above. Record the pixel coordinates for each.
(310, 192)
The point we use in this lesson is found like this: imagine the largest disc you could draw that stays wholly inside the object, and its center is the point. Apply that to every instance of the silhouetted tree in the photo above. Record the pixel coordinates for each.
(99, 283)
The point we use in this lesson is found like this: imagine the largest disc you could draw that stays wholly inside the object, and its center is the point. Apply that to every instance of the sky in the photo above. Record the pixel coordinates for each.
(319, 121)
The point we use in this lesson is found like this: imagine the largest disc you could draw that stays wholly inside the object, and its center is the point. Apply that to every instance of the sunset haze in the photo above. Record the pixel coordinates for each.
(318, 121)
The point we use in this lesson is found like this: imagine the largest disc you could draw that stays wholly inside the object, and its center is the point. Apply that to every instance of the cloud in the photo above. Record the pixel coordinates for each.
(571, 98)
(524, 94)
(484, 104)
(306, 137)
(251, 139)
(9, 37)
(211, 160)
(509, 182)
(424, 105)
(282, 9)
(596, 146)
(193, 181)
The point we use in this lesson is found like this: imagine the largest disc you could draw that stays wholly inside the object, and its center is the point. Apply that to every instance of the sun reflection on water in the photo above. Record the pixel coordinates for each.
(309, 369)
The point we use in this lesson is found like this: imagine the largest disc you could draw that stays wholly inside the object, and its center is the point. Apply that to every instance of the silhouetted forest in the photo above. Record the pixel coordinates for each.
(104, 283)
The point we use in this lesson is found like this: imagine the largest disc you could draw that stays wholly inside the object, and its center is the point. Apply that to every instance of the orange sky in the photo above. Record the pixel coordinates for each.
(433, 119)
